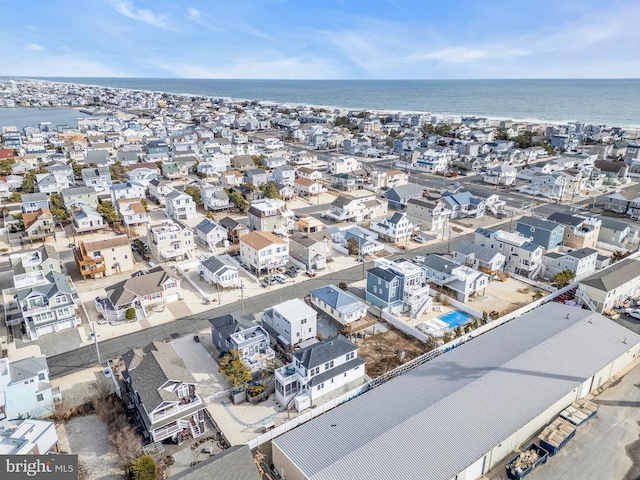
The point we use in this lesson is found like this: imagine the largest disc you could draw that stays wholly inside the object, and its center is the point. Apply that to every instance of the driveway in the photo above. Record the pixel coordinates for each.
(203, 368)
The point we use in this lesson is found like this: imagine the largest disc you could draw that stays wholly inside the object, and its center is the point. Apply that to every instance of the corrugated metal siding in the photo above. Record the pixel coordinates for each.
(436, 420)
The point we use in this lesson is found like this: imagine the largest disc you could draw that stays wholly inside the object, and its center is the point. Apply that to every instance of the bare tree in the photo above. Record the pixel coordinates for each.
(127, 444)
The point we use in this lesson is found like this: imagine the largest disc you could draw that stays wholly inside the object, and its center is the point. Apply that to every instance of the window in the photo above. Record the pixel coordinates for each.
(39, 397)
(328, 365)
(41, 376)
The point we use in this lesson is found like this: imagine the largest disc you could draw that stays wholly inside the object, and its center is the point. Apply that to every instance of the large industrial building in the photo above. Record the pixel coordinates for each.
(459, 415)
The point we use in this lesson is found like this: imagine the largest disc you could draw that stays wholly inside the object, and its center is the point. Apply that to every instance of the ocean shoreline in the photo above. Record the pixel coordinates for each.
(394, 111)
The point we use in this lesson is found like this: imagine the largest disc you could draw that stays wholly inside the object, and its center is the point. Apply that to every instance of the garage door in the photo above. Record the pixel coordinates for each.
(44, 330)
(475, 469)
(172, 297)
(65, 324)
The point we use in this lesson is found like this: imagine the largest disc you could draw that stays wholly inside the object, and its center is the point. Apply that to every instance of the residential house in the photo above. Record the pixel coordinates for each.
(263, 251)
(66, 170)
(215, 198)
(579, 231)
(343, 165)
(231, 178)
(215, 272)
(611, 286)
(347, 208)
(38, 225)
(545, 233)
(366, 240)
(157, 150)
(617, 202)
(504, 175)
(142, 291)
(551, 185)
(464, 204)
(170, 241)
(243, 162)
(44, 303)
(286, 192)
(234, 229)
(388, 179)
(345, 181)
(99, 178)
(51, 182)
(272, 215)
(142, 173)
(256, 177)
(158, 190)
(433, 213)
(210, 234)
(309, 225)
(311, 252)
(85, 218)
(581, 262)
(523, 257)
(180, 206)
(305, 187)
(128, 157)
(25, 390)
(284, 174)
(614, 232)
(615, 173)
(454, 278)
(28, 437)
(162, 393)
(342, 306)
(634, 208)
(400, 195)
(318, 370)
(104, 257)
(132, 211)
(481, 258)
(395, 229)
(76, 195)
(309, 173)
(44, 259)
(291, 322)
(32, 202)
(175, 170)
(233, 332)
(397, 287)
(127, 190)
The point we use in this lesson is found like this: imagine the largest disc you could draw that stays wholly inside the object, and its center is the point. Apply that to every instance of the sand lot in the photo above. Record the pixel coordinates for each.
(505, 297)
(88, 437)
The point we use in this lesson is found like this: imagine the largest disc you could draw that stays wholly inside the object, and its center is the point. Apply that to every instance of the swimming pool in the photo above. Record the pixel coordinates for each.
(455, 318)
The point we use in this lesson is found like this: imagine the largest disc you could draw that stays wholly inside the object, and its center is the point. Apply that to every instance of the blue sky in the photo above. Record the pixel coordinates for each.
(348, 39)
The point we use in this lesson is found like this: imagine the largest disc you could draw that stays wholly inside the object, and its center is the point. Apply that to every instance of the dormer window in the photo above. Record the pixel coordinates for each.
(183, 391)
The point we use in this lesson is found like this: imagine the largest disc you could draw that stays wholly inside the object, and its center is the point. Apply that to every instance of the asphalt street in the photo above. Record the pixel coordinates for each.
(75, 360)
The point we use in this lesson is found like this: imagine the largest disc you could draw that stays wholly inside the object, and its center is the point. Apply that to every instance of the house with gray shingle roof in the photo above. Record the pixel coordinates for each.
(340, 305)
(611, 286)
(216, 272)
(477, 256)
(319, 370)
(210, 234)
(235, 463)
(162, 392)
(396, 228)
(25, 390)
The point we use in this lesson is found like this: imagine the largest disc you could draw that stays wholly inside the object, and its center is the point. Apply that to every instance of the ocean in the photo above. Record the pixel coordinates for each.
(31, 117)
(610, 102)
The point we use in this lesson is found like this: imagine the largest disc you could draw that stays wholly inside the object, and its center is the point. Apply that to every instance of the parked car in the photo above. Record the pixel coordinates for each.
(420, 239)
(633, 313)
(278, 277)
(418, 259)
(311, 273)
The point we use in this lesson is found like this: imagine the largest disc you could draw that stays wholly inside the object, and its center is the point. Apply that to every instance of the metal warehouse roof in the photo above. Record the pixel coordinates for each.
(436, 420)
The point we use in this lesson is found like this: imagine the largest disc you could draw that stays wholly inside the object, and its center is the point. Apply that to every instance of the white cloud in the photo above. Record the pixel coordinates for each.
(465, 54)
(126, 8)
(193, 14)
(35, 47)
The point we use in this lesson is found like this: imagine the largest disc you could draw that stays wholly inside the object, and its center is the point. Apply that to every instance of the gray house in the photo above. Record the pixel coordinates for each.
(256, 176)
(32, 202)
(614, 232)
(75, 195)
(458, 280)
(311, 252)
(479, 257)
(400, 195)
(581, 262)
(618, 202)
(545, 233)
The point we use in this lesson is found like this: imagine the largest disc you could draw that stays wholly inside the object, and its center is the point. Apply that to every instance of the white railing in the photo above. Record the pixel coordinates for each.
(306, 416)
(404, 327)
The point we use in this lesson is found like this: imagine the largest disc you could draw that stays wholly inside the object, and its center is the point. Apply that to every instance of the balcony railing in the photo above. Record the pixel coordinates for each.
(189, 402)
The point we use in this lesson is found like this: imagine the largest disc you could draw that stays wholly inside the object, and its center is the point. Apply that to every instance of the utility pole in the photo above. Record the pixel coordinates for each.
(95, 341)
(242, 295)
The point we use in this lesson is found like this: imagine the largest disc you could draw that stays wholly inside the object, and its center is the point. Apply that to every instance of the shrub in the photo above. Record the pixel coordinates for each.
(445, 300)
(143, 468)
(130, 314)
(255, 390)
(342, 286)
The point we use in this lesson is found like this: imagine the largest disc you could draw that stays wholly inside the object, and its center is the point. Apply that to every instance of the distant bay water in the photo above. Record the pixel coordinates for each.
(31, 117)
(611, 102)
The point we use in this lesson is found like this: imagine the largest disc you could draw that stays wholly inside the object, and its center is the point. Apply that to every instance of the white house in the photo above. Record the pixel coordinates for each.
(319, 370)
(25, 388)
(215, 198)
(305, 187)
(291, 322)
(343, 165)
(127, 190)
(342, 306)
(180, 206)
(159, 189)
(170, 241)
(263, 251)
(500, 175)
(522, 256)
(210, 234)
(396, 228)
(214, 272)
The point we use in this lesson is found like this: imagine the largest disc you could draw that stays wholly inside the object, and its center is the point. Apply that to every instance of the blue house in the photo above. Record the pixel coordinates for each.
(157, 148)
(32, 202)
(545, 233)
(400, 195)
(384, 288)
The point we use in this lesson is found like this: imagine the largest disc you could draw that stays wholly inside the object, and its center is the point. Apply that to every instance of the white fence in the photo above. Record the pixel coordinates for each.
(462, 306)
(306, 416)
(400, 325)
(183, 270)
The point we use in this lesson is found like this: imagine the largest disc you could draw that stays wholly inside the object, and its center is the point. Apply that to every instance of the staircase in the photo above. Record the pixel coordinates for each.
(422, 308)
(155, 448)
(195, 429)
